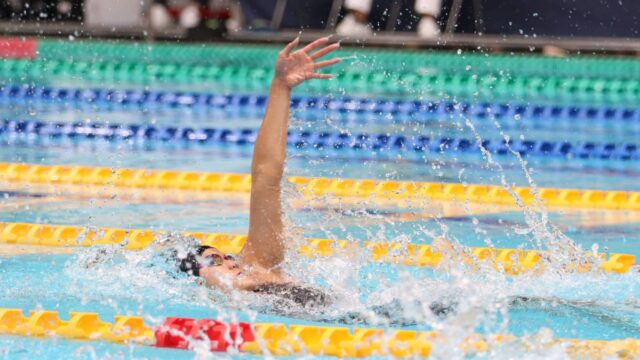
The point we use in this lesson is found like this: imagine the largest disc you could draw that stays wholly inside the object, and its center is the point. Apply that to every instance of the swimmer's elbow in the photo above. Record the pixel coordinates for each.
(267, 175)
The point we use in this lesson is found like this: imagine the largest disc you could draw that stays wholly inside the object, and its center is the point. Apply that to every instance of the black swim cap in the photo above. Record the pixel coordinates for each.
(189, 263)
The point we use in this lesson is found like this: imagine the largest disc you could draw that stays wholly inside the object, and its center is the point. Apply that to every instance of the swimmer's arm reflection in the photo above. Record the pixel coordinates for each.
(260, 259)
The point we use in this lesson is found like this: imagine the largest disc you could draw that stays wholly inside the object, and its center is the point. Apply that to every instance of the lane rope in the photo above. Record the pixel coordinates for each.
(318, 187)
(81, 325)
(322, 140)
(355, 105)
(262, 55)
(273, 338)
(509, 261)
(463, 84)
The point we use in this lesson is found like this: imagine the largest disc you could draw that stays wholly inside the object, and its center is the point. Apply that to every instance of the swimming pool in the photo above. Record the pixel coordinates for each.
(112, 281)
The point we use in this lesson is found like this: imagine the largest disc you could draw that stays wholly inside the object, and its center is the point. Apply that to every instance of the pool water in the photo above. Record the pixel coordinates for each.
(112, 281)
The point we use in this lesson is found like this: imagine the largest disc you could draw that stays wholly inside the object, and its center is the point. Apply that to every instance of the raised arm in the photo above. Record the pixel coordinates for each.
(265, 243)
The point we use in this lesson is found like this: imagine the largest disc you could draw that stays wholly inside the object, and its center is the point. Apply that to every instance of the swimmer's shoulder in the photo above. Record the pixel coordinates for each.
(303, 295)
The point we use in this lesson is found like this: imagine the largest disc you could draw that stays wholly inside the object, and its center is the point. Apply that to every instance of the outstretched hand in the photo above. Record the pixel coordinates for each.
(295, 67)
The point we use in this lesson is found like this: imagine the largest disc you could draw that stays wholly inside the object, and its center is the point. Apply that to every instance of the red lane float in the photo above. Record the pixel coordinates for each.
(179, 333)
(17, 48)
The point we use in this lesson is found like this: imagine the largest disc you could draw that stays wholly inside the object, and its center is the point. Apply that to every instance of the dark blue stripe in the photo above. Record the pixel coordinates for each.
(322, 140)
(173, 99)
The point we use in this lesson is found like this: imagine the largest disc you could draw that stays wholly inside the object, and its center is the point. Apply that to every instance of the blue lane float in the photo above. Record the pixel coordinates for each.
(414, 108)
(320, 140)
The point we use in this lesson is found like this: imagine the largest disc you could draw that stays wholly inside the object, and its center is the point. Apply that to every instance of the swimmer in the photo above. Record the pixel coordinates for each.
(258, 267)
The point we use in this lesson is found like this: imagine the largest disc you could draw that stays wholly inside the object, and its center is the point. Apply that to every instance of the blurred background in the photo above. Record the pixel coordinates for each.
(545, 25)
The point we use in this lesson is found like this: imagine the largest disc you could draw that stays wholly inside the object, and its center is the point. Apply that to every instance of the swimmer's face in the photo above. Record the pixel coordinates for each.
(223, 270)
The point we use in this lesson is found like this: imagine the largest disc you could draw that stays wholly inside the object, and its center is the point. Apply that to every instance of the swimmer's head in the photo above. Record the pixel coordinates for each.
(207, 260)
(223, 271)
(218, 269)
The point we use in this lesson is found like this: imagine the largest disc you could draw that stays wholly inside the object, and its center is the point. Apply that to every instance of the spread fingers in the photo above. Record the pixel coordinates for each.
(316, 44)
(324, 51)
(290, 46)
(320, 76)
(325, 63)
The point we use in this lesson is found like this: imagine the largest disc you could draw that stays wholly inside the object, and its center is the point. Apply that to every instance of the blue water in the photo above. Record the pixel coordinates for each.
(142, 284)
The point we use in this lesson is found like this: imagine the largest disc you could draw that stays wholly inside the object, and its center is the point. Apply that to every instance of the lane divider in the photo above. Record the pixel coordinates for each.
(322, 140)
(355, 105)
(509, 261)
(81, 325)
(464, 84)
(272, 338)
(254, 55)
(206, 116)
(317, 187)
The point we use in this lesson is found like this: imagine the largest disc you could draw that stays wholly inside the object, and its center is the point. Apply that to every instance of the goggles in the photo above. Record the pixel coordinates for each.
(214, 260)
